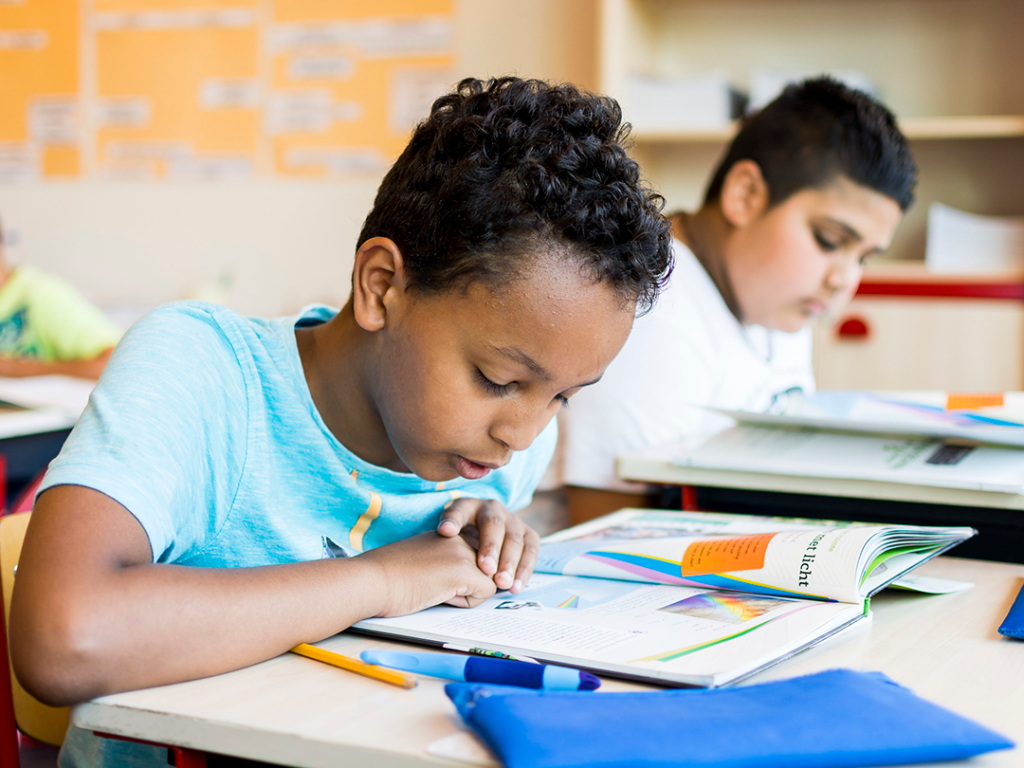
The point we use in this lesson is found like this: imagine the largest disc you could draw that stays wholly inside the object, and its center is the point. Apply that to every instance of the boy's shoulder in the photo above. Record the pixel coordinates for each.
(186, 323)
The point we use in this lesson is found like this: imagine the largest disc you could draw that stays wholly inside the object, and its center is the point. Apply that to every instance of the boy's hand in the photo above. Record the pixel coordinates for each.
(427, 570)
(508, 547)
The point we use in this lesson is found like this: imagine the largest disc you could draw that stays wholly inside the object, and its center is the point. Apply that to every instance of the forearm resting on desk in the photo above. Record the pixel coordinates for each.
(91, 614)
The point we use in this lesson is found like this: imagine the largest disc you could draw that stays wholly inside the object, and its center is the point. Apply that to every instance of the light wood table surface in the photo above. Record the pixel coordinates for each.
(296, 711)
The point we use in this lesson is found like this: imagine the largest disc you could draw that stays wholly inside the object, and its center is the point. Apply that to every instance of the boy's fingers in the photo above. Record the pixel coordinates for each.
(531, 549)
(490, 524)
(473, 594)
(511, 553)
(457, 515)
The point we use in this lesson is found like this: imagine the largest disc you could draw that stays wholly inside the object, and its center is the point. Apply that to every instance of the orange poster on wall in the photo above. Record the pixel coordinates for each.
(40, 123)
(349, 81)
(216, 89)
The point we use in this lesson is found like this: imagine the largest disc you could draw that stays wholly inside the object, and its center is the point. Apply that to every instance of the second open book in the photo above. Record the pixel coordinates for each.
(684, 598)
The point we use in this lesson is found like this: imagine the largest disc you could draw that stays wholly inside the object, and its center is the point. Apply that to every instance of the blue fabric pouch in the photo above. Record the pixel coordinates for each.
(835, 718)
(1013, 624)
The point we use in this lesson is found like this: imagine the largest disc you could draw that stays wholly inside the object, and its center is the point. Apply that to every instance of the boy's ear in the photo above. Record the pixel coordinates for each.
(744, 194)
(378, 280)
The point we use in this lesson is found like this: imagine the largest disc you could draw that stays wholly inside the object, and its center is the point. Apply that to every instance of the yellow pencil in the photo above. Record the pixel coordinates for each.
(355, 665)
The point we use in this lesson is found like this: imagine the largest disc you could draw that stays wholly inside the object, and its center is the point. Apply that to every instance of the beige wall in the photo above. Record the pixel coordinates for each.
(284, 243)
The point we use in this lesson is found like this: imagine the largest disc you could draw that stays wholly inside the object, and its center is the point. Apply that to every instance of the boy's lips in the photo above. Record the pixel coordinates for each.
(472, 470)
(816, 307)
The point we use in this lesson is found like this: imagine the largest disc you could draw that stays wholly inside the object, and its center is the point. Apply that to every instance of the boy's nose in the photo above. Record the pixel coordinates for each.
(518, 431)
(844, 275)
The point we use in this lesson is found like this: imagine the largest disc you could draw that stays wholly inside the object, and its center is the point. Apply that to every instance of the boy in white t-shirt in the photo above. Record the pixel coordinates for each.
(812, 185)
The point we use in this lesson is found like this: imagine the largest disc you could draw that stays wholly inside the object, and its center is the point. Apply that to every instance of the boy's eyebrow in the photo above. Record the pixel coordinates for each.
(854, 235)
(518, 356)
(850, 231)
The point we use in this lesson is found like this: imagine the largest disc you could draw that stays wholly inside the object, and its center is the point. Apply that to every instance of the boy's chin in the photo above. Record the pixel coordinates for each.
(432, 472)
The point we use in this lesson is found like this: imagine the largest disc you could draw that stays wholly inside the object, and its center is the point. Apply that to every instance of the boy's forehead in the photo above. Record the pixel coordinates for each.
(851, 205)
(548, 319)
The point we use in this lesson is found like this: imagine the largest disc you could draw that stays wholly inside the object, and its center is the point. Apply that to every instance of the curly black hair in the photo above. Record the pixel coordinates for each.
(816, 131)
(505, 170)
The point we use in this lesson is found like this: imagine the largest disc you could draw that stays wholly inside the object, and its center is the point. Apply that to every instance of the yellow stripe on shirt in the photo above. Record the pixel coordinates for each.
(355, 536)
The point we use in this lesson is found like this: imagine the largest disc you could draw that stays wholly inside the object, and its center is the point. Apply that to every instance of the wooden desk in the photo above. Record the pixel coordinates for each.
(999, 517)
(299, 712)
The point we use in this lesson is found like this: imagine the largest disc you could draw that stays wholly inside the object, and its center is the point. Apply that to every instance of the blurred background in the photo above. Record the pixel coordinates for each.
(228, 150)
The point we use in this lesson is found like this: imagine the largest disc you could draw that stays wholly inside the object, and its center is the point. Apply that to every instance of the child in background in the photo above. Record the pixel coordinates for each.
(47, 327)
(812, 185)
(238, 486)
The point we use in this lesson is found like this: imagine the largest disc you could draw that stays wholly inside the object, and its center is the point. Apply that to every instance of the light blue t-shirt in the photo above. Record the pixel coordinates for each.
(203, 427)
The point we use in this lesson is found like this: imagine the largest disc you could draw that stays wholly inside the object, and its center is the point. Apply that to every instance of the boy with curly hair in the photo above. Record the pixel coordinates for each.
(239, 486)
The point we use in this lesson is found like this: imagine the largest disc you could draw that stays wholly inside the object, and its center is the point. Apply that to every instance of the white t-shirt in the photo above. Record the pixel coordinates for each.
(689, 350)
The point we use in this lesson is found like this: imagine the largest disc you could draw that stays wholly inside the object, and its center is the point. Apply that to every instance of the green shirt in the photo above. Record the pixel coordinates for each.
(44, 318)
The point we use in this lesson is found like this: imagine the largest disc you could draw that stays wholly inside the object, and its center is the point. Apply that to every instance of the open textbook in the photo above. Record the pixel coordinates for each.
(810, 453)
(996, 419)
(684, 598)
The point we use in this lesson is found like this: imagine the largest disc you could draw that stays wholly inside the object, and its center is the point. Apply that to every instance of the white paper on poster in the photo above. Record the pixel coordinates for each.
(19, 162)
(308, 111)
(414, 37)
(23, 40)
(237, 93)
(373, 37)
(966, 242)
(321, 68)
(148, 150)
(125, 112)
(336, 162)
(233, 18)
(210, 168)
(53, 120)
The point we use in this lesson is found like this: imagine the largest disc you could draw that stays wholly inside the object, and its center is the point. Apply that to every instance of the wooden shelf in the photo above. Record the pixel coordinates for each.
(915, 128)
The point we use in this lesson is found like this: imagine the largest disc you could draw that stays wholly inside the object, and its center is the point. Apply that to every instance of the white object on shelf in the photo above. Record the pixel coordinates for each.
(662, 104)
(967, 242)
(766, 83)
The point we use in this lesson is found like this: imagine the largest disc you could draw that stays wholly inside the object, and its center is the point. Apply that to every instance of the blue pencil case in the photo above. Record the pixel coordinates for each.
(1013, 624)
(835, 718)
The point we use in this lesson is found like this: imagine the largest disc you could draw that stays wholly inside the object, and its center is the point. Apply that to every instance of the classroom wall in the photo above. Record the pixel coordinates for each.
(264, 247)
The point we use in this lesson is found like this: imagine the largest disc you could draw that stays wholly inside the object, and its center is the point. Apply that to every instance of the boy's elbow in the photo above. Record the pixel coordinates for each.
(54, 657)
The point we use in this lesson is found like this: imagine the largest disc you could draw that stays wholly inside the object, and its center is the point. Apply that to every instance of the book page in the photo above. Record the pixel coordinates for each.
(822, 564)
(670, 633)
(805, 453)
(767, 556)
(996, 419)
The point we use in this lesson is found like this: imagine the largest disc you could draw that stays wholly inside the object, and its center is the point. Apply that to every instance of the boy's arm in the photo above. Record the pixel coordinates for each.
(90, 368)
(91, 614)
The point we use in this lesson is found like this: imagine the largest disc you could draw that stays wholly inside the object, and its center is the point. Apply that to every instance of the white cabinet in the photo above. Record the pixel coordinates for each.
(910, 329)
(960, 345)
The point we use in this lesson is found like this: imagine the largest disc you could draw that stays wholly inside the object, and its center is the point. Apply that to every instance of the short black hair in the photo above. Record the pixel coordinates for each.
(504, 168)
(815, 131)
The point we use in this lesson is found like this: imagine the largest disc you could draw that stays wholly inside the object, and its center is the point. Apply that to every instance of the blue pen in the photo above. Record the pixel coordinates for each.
(477, 669)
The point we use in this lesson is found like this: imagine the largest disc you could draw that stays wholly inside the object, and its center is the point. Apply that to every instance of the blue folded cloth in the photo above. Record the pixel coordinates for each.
(1013, 624)
(835, 718)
